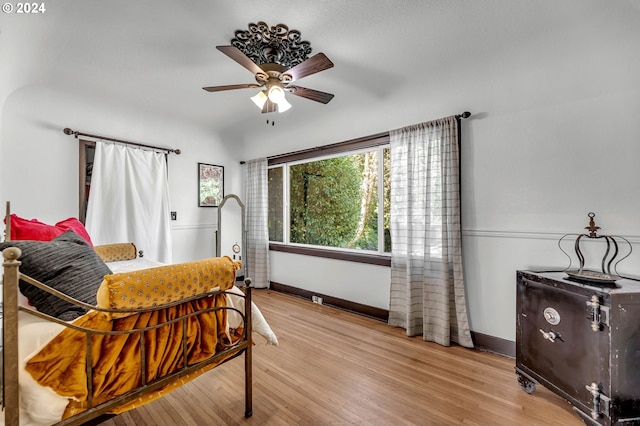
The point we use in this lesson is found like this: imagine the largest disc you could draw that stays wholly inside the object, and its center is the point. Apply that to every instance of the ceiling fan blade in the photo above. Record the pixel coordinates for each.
(314, 64)
(231, 87)
(238, 56)
(314, 95)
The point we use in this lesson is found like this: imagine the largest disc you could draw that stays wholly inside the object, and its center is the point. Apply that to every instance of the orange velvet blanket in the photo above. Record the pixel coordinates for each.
(116, 359)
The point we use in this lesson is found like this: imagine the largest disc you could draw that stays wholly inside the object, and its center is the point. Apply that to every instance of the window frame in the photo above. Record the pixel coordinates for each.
(353, 146)
(84, 177)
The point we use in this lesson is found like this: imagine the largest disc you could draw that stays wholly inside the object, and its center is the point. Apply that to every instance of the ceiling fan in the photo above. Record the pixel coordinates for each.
(278, 58)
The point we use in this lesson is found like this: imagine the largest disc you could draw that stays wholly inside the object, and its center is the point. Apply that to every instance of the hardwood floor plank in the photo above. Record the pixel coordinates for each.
(336, 368)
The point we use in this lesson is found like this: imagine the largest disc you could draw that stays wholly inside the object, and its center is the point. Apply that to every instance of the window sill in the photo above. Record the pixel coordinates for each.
(372, 259)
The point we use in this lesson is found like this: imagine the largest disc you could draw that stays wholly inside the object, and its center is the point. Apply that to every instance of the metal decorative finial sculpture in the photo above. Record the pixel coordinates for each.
(610, 260)
(593, 229)
(278, 44)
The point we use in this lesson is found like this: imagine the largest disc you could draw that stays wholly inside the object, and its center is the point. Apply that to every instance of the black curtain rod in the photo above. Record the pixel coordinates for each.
(465, 114)
(68, 131)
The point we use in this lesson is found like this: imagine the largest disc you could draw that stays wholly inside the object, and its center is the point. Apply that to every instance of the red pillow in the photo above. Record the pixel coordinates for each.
(76, 226)
(23, 229)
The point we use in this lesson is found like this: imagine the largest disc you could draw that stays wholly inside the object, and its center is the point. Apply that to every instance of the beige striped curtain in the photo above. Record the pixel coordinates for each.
(427, 283)
(257, 203)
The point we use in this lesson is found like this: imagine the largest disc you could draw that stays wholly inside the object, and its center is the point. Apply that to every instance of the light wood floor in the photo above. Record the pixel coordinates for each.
(337, 368)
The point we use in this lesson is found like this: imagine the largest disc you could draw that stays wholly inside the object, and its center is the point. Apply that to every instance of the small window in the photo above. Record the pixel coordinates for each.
(276, 204)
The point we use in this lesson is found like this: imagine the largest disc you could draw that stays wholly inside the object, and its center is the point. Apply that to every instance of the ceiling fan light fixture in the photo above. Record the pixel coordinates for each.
(283, 105)
(259, 99)
(276, 94)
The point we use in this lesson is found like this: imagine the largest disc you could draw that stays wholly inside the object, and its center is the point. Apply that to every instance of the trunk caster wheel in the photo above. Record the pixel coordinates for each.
(527, 385)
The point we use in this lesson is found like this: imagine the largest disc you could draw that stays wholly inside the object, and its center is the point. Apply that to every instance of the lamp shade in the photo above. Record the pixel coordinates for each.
(259, 99)
(283, 105)
(276, 93)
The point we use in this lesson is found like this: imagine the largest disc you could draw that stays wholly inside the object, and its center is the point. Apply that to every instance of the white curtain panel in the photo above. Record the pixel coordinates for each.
(257, 204)
(427, 283)
(129, 200)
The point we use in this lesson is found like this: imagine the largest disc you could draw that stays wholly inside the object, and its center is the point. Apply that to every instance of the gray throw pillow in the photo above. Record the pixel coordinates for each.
(66, 263)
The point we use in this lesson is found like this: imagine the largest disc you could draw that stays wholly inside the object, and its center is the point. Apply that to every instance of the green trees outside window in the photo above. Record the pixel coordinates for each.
(333, 202)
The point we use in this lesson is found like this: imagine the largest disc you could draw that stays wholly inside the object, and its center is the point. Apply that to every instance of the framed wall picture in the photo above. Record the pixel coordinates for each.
(210, 185)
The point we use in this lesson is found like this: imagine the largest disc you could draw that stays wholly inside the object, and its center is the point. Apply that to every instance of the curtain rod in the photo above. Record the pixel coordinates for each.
(465, 114)
(68, 131)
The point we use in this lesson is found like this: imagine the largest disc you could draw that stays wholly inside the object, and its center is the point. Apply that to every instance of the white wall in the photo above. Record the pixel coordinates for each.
(531, 176)
(39, 163)
(554, 135)
(358, 282)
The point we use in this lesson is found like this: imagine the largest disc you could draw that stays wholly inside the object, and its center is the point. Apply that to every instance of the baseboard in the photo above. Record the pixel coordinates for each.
(481, 341)
(495, 345)
(358, 308)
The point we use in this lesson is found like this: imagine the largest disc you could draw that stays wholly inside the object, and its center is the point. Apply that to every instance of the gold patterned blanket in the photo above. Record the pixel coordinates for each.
(116, 360)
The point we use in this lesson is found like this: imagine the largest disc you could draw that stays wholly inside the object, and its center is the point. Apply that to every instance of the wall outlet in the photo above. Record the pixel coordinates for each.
(174, 215)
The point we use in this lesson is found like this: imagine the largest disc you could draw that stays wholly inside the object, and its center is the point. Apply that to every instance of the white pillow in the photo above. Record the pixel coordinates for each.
(258, 323)
(39, 405)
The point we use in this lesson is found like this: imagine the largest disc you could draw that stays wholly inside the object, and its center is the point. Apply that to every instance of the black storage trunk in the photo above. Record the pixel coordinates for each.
(582, 342)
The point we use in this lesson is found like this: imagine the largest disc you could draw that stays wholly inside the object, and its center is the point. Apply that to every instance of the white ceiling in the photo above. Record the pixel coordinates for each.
(157, 55)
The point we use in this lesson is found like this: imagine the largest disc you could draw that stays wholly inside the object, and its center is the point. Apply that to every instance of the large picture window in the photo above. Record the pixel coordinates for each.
(339, 201)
